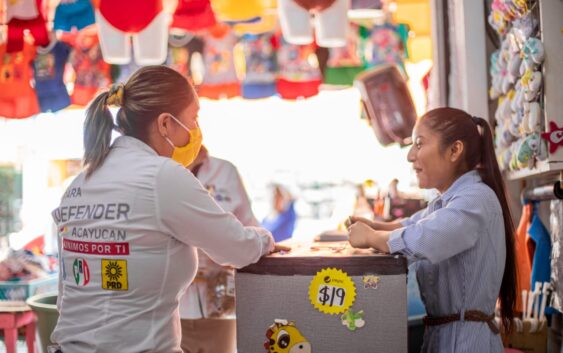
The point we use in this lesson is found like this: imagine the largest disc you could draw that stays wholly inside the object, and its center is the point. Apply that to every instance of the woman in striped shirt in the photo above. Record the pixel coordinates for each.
(462, 242)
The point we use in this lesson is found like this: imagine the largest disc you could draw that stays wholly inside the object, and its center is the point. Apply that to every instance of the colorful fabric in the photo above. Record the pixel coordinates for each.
(17, 98)
(297, 78)
(261, 65)
(523, 263)
(541, 270)
(385, 46)
(179, 55)
(220, 79)
(131, 16)
(344, 63)
(92, 72)
(283, 224)
(238, 11)
(49, 67)
(71, 14)
(22, 15)
(267, 23)
(193, 15)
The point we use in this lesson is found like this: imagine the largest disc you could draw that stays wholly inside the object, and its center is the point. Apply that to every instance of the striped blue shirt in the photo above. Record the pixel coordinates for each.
(459, 248)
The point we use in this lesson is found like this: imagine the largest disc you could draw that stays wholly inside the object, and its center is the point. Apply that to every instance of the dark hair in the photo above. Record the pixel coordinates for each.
(150, 91)
(456, 125)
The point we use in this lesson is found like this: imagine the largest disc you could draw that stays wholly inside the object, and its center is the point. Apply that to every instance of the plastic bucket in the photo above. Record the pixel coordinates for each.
(45, 308)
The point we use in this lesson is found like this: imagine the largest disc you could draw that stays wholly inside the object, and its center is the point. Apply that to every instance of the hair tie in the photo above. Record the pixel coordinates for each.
(115, 96)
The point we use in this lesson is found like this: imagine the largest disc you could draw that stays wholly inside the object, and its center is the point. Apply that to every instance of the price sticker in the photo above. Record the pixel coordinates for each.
(332, 291)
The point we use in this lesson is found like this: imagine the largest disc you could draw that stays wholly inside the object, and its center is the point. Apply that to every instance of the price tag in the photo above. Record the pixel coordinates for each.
(332, 291)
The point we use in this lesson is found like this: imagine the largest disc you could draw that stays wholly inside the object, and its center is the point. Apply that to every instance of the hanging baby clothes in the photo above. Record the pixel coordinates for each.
(17, 98)
(330, 21)
(261, 65)
(298, 76)
(233, 11)
(385, 46)
(71, 14)
(179, 53)
(266, 23)
(220, 79)
(344, 63)
(22, 15)
(541, 249)
(144, 21)
(524, 266)
(556, 221)
(193, 15)
(49, 65)
(92, 72)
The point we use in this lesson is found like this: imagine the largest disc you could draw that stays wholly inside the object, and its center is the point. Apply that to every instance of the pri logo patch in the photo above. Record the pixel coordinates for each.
(81, 272)
(114, 274)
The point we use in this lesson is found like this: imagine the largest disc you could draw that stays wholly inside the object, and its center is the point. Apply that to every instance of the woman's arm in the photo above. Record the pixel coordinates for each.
(376, 225)
(364, 236)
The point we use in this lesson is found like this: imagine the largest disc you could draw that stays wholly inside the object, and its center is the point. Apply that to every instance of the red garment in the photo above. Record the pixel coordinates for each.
(297, 89)
(131, 16)
(36, 26)
(193, 15)
(523, 261)
(17, 98)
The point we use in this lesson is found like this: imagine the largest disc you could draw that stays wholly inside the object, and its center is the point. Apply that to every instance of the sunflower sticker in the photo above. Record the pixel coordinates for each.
(114, 274)
(332, 291)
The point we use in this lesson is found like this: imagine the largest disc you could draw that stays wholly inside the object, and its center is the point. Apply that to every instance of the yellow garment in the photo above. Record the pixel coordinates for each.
(237, 10)
(267, 23)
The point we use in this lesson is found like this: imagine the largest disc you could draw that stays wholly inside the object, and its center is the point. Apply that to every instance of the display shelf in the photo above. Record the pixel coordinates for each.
(543, 168)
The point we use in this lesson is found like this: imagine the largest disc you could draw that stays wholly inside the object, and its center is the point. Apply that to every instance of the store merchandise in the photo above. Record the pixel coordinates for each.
(91, 71)
(193, 15)
(330, 21)
(220, 79)
(539, 249)
(556, 227)
(71, 14)
(385, 46)
(144, 22)
(49, 65)
(234, 11)
(344, 63)
(299, 75)
(260, 64)
(179, 53)
(25, 15)
(17, 97)
(523, 262)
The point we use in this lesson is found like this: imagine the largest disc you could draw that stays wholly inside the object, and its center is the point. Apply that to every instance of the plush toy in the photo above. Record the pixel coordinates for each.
(534, 53)
(353, 320)
(531, 82)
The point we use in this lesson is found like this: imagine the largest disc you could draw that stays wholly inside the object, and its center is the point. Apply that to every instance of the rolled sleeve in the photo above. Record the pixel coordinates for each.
(396, 243)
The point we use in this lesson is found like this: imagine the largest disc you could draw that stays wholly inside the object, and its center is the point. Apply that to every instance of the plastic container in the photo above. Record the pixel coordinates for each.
(20, 291)
(45, 308)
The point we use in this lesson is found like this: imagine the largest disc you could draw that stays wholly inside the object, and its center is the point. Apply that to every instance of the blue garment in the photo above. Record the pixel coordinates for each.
(283, 224)
(49, 67)
(541, 264)
(261, 65)
(76, 13)
(458, 244)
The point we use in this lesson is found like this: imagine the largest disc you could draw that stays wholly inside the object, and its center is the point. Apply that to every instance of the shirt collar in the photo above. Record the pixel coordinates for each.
(131, 142)
(471, 177)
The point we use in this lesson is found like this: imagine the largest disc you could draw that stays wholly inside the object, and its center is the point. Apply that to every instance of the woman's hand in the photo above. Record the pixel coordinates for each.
(364, 236)
(353, 219)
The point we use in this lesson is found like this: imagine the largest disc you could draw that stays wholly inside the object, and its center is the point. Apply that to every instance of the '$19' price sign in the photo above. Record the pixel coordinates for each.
(332, 291)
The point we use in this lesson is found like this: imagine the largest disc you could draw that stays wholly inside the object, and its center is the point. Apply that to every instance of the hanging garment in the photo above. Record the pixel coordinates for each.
(22, 15)
(344, 63)
(266, 23)
(523, 263)
(385, 46)
(220, 79)
(92, 72)
(261, 65)
(556, 222)
(541, 249)
(234, 11)
(330, 21)
(180, 52)
(17, 98)
(193, 15)
(143, 21)
(71, 14)
(297, 77)
(49, 67)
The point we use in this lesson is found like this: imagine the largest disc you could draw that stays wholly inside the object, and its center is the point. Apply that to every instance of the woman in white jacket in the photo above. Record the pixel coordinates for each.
(129, 225)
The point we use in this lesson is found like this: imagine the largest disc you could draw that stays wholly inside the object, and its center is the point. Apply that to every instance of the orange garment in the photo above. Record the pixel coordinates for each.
(226, 90)
(523, 261)
(17, 98)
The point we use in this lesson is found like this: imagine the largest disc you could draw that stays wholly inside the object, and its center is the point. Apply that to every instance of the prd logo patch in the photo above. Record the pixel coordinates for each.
(81, 272)
(114, 274)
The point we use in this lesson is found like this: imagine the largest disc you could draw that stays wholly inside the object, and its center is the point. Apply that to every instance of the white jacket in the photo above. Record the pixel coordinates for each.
(128, 235)
(222, 180)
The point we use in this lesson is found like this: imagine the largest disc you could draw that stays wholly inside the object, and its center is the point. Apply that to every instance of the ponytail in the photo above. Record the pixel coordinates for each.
(491, 175)
(97, 133)
(456, 125)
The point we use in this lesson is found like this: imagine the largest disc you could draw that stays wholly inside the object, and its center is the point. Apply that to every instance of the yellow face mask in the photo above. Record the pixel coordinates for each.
(187, 154)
